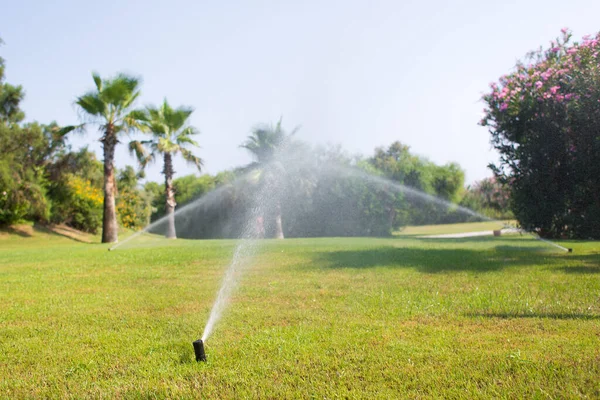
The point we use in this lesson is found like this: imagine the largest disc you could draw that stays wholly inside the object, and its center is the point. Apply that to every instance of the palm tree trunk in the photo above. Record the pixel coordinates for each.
(278, 225)
(170, 196)
(109, 221)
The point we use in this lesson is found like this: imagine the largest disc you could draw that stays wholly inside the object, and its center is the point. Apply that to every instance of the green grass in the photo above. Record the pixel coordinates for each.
(505, 317)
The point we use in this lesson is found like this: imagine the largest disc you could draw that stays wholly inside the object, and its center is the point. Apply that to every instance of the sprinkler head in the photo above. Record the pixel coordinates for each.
(570, 250)
(199, 350)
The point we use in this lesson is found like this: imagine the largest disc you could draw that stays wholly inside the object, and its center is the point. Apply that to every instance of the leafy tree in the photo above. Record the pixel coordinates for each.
(133, 204)
(110, 107)
(23, 178)
(445, 182)
(544, 120)
(265, 144)
(172, 135)
(10, 98)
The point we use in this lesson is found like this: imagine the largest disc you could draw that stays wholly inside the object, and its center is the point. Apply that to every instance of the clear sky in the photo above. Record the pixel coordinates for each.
(359, 73)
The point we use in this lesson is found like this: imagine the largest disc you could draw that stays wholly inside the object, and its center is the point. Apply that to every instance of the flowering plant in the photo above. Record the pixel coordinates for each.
(544, 119)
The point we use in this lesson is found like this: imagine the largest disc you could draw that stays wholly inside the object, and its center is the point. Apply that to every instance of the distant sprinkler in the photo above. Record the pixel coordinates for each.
(199, 350)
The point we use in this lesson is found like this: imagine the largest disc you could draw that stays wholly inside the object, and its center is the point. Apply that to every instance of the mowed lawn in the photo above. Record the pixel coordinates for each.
(403, 317)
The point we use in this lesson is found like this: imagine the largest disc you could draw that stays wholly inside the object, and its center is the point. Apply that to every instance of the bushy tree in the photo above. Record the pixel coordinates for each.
(544, 120)
(445, 182)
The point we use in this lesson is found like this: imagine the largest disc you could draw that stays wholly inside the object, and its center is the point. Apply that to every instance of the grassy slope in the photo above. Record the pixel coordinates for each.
(363, 318)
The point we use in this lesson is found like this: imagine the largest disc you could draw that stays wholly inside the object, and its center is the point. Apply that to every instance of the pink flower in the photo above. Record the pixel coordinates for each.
(539, 84)
(564, 30)
(554, 89)
(503, 107)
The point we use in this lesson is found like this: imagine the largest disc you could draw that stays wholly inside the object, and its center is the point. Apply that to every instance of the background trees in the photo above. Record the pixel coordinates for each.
(319, 191)
(544, 119)
(25, 151)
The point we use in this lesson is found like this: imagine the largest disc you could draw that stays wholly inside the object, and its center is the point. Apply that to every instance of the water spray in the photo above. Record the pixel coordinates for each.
(436, 200)
(538, 237)
(208, 198)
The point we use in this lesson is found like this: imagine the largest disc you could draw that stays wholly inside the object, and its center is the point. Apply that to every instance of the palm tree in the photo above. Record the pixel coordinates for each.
(264, 144)
(172, 135)
(110, 106)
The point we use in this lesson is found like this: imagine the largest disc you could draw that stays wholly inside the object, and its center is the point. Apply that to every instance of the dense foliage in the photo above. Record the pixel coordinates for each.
(544, 119)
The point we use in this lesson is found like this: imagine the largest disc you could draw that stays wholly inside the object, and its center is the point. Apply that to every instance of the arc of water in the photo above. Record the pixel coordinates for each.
(417, 193)
(212, 196)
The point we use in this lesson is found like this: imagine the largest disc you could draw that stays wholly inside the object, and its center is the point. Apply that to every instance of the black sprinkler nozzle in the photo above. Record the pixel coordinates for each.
(199, 350)
(570, 250)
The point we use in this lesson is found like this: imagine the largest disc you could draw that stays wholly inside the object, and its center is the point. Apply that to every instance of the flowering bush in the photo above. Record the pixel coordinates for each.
(544, 119)
(79, 204)
(133, 209)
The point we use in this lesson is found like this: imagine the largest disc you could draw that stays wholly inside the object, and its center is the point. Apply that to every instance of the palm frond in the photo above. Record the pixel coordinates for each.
(120, 91)
(136, 120)
(137, 149)
(164, 145)
(97, 81)
(191, 158)
(184, 137)
(129, 101)
(266, 140)
(92, 104)
(70, 128)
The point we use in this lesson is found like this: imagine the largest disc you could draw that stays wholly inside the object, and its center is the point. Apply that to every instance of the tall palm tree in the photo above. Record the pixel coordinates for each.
(172, 135)
(110, 106)
(264, 144)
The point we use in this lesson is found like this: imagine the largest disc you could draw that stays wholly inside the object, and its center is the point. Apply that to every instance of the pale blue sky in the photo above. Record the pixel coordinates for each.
(359, 73)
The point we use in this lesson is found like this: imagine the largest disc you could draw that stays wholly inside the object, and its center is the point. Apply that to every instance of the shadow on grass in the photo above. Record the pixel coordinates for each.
(441, 260)
(562, 316)
(585, 269)
(18, 230)
(28, 231)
